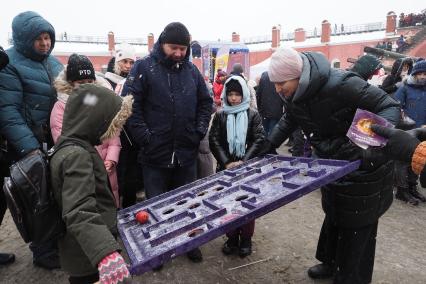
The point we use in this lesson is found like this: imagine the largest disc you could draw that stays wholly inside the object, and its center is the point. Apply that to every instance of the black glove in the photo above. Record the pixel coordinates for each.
(267, 148)
(419, 133)
(372, 158)
(401, 145)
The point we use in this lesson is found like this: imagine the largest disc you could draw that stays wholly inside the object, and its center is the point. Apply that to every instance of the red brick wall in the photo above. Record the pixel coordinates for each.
(259, 56)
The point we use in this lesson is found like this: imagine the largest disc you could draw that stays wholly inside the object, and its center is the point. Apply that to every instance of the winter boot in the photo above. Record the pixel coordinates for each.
(245, 247)
(231, 245)
(321, 271)
(49, 262)
(403, 194)
(414, 191)
(6, 258)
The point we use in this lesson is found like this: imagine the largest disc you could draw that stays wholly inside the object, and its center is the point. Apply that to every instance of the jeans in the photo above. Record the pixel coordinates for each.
(269, 124)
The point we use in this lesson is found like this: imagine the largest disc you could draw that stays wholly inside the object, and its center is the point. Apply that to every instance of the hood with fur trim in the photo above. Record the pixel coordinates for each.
(94, 113)
(26, 27)
(64, 88)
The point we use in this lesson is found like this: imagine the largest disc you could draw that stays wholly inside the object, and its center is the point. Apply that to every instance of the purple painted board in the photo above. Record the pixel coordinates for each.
(196, 213)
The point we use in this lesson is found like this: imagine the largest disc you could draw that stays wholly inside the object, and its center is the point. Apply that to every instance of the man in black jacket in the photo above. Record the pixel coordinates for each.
(269, 103)
(323, 101)
(171, 113)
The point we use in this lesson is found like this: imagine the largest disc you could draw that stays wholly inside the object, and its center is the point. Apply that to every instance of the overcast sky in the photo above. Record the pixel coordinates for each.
(206, 20)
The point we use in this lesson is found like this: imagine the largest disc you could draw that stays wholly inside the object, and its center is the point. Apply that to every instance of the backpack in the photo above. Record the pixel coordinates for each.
(30, 198)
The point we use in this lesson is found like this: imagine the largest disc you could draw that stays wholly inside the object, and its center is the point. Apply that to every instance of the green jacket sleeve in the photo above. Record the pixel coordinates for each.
(79, 210)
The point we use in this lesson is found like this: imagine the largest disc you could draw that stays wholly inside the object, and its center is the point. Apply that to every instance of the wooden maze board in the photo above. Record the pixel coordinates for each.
(194, 214)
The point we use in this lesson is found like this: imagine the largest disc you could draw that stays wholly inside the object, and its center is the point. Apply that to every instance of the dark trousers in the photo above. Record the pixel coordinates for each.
(160, 180)
(404, 175)
(350, 251)
(3, 205)
(269, 124)
(129, 175)
(298, 143)
(245, 231)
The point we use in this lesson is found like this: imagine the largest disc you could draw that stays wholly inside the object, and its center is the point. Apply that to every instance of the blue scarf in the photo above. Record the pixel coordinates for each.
(237, 119)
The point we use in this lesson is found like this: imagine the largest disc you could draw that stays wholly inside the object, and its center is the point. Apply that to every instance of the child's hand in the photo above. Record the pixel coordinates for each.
(233, 164)
(109, 165)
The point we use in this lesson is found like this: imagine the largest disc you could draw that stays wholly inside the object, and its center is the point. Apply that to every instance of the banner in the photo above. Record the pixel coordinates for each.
(222, 57)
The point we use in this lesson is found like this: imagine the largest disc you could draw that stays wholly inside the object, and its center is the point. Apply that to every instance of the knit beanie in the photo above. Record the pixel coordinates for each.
(237, 68)
(221, 73)
(175, 33)
(420, 66)
(366, 66)
(286, 64)
(79, 68)
(233, 86)
(125, 51)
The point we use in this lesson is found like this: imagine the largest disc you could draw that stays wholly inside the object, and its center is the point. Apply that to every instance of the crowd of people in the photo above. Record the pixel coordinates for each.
(412, 19)
(155, 124)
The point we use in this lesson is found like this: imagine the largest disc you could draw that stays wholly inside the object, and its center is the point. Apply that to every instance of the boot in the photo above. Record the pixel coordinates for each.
(231, 246)
(245, 247)
(403, 194)
(320, 271)
(414, 191)
(195, 255)
(6, 258)
(49, 262)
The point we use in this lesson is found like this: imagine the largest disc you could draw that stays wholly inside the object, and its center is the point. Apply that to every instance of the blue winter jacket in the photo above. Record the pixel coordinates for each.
(413, 102)
(26, 91)
(171, 110)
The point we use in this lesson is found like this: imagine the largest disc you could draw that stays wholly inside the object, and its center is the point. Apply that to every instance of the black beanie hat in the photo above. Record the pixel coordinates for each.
(233, 86)
(175, 33)
(366, 65)
(79, 68)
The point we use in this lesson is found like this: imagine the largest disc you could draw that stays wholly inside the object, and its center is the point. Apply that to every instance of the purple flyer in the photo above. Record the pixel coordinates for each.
(360, 132)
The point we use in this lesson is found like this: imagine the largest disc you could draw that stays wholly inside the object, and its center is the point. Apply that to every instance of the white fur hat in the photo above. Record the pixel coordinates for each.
(125, 51)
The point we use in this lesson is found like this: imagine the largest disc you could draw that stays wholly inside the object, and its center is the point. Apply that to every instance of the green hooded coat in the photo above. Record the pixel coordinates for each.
(80, 181)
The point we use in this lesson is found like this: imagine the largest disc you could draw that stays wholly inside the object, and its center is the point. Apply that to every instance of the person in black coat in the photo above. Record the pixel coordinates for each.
(323, 101)
(236, 136)
(5, 258)
(171, 113)
(269, 103)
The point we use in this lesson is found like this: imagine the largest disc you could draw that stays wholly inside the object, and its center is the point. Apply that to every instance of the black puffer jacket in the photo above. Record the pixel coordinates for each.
(324, 106)
(218, 138)
(171, 111)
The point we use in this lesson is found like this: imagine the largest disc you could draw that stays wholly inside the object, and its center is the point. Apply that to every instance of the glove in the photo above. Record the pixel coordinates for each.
(113, 269)
(419, 133)
(267, 148)
(400, 146)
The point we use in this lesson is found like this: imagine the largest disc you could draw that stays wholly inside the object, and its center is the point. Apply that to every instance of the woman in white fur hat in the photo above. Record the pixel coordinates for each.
(125, 56)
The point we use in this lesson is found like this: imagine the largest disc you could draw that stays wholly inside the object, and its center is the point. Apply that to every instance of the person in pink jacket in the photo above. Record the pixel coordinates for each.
(80, 71)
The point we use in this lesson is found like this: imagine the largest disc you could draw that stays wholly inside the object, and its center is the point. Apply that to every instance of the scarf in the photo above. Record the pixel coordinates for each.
(237, 119)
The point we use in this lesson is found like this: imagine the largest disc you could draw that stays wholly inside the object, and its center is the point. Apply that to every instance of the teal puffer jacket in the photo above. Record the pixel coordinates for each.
(26, 91)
